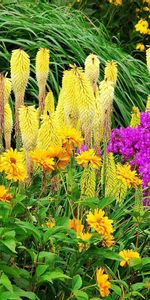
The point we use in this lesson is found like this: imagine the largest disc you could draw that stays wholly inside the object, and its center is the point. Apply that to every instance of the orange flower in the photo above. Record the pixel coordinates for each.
(4, 195)
(108, 240)
(71, 138)
(127, 255)
(102, 282)
(89, 158)
(53, 158)
(50, 223)
(60, 156)
(40, 157)
(76, 225)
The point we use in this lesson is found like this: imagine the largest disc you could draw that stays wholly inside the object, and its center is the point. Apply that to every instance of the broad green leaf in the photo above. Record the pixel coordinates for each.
(50, 276)
(9, 234)
(116, 289)
(145, 261)
(57, 229)
(30, 228)
(80, 295)
(4, 280)
(138, 286)
(9, 296)
(25, 294)
(76, 282)
(41, 269)
(10, 271)
(135, 261)
(47, 257)
(63, 221)
(104, 253)
(9, 244)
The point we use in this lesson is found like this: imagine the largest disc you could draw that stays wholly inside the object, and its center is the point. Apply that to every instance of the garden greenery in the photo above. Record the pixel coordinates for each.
(71, 35)
(73, 221)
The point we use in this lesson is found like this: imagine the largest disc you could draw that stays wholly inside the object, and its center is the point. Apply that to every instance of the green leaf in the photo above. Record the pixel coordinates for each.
(25, 294)
(104, 253)
(76, 282)
(9, 296)
(9, 244)
(116, 289)
(4, 280)
(47, 257)
(41, 269)
(138, 286)
(105, 202)
(58, 229)
(29, 228)
(134, 261)
(11, 271)
(50, 276)
(80, 295)
(63, 221)
(145, 261)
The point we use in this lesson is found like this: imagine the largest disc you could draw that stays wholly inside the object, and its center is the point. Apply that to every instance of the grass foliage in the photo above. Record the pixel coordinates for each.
(71, 36)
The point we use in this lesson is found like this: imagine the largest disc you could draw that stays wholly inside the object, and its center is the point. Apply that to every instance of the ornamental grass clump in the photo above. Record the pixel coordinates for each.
(72, 212)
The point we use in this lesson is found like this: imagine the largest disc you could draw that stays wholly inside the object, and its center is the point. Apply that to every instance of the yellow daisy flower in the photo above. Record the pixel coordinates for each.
(60, 156)
(102, 282)
(99, 222)
(89, 158)
(12, 163)
(127, 255)
(40, 157)
(128, 177)
(4, 195)
(71, 138)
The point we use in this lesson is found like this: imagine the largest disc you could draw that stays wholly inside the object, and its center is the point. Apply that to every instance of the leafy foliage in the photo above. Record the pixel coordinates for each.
(71, 36)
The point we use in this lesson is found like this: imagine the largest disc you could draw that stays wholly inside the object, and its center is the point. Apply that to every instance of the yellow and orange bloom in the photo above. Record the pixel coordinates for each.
(99, 222)
(4, 194)
(87, 158)
(60, 156)
(128, 177)
(127, 255)
(12, 164)
(102, 282)
(71, 138)
(76, 225)
(108, 240)
(40, 157)
(50, 224)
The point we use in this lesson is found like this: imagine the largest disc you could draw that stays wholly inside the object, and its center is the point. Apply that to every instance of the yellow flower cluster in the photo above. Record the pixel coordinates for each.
(87, 158)
(127, 255)
(115, 2)
(71, 138)
(4, 194)
(140, 47)
(142, 26)
(102, 225)
(54, 158)
(128, 177)
(12, 164)
(102, 282)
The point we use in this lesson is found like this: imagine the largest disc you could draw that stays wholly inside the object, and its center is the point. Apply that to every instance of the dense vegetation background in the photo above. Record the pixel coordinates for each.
(71, 34)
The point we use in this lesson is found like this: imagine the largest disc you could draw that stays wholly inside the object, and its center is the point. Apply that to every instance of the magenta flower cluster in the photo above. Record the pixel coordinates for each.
(133, 144)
